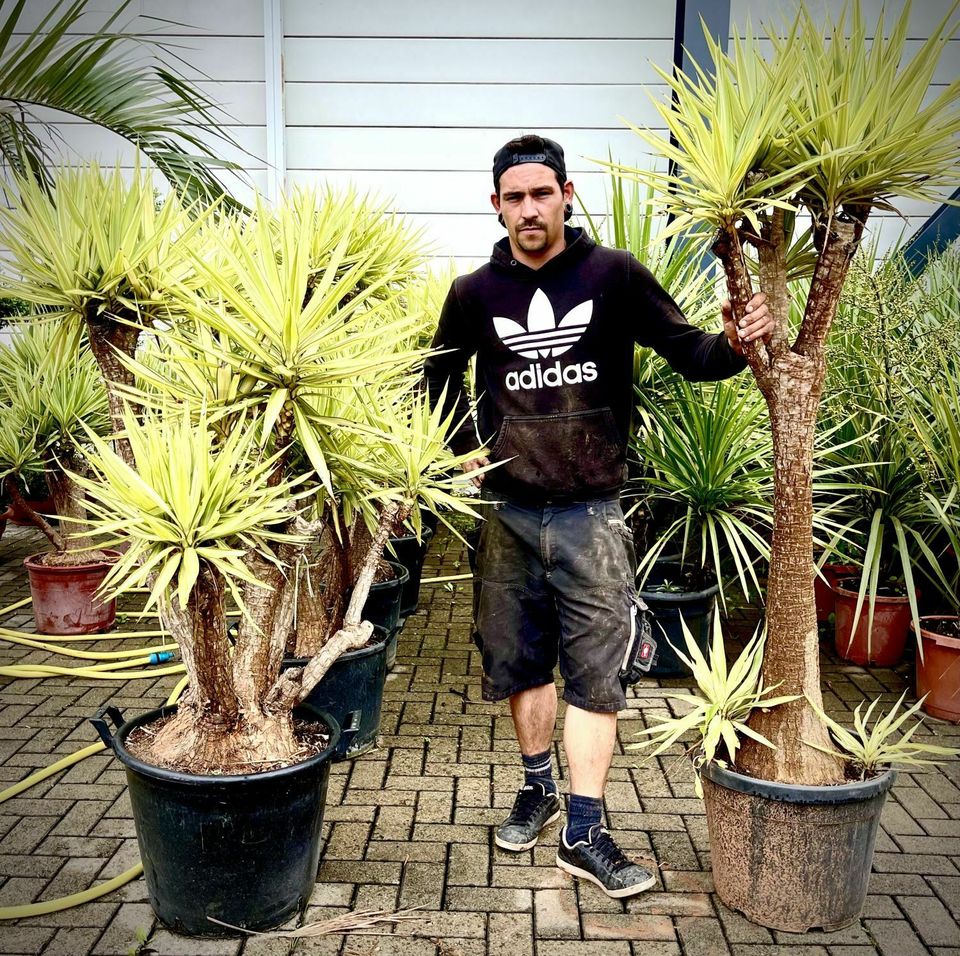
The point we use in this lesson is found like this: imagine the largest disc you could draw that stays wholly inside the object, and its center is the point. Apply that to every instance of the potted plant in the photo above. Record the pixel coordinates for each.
(935, 413)
(51, 394)
(712, 725)
(254, 437)
(833, 130)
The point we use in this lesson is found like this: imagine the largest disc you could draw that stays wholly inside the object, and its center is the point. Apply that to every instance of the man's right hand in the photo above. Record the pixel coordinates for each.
(473, 465)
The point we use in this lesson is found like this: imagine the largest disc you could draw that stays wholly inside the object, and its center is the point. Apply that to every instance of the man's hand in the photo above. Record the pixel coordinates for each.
(758, 323)
(473, 465)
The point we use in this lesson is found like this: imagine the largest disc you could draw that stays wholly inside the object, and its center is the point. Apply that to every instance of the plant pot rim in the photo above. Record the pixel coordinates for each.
(885, 598)
(166, 775)
(33, 563)
(932, 636)
(854, 792)
(401, 572)
(356, 654)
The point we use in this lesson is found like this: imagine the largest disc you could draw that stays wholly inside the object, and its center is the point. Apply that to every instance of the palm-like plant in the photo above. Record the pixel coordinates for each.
(279, 415)
(51, 397)
(94, 77)
(835, 130)
(100, 251)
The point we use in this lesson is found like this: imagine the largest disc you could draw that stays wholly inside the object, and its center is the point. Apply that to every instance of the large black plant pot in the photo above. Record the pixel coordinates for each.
(695, 607)
(382, 608)
(352, 692)
(788, 856)
(243, 849)
(410, 552)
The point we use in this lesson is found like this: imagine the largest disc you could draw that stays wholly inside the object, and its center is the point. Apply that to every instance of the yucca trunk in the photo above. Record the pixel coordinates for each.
(107, 337)
(68, 504)
(791, 379)
(236, 714)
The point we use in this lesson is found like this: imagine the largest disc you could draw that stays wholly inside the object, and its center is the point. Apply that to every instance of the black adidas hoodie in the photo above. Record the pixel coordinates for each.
(554, 351)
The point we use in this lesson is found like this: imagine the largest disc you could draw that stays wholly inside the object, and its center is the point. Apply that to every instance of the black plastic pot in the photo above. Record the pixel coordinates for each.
(243, 849)
(696, 608)
(792, 857)
(382, 607)
(410, 552)
(352, 692)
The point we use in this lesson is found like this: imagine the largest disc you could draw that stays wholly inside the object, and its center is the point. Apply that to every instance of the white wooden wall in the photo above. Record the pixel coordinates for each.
(411, 98)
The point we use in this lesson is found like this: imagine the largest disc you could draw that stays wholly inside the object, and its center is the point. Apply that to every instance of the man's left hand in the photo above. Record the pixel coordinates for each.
(758, 323)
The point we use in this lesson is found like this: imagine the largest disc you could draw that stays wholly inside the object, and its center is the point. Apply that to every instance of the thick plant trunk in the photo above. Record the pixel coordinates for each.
(791, 656)
(211, 731)
(51, 534)
(68, 503)
(323, 583)
(108, 337)
(791, 380)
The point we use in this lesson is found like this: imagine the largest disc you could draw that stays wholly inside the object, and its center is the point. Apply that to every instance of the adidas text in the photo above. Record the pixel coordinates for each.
(534, 376)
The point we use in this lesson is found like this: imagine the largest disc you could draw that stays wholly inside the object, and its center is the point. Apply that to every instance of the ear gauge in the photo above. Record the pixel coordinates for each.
(567, 211)
(500, 219)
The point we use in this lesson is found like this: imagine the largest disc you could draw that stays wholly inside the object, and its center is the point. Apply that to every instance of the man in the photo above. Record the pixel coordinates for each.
(552, 320)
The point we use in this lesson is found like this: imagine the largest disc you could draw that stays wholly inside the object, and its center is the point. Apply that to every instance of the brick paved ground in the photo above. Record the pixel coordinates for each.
(409, 825)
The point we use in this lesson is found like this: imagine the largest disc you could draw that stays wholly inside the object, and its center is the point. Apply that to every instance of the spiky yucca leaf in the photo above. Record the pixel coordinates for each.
(868, 750)
(191, 499)
(725, 697)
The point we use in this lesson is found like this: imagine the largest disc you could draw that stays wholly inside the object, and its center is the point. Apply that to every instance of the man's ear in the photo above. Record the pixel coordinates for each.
(495, 201)
(568, 191)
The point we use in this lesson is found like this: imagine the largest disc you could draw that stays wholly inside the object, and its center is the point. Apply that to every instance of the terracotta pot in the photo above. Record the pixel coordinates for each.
(891, 625)
(823, 590)
(938, 672)
(789, 856)
(42, 506)
(64, 599)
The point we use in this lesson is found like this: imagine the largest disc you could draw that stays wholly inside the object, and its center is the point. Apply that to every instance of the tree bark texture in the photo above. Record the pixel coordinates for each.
(51, 534)
(108, 337)
(791, 381)
(68, 503)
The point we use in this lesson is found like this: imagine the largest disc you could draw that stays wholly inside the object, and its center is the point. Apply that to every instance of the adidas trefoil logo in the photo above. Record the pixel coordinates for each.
(544, 336)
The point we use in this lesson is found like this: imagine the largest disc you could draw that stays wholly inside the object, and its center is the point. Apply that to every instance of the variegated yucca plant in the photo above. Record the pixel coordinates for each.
(785, 156)
(275, 437)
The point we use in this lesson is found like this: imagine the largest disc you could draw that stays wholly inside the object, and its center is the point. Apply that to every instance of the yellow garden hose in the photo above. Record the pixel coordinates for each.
(95, 892)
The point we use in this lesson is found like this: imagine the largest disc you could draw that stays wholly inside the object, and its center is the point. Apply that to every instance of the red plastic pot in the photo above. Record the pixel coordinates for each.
(64, 598)
(891, 625)
(42, 506)
(938, 673)
(823, 590)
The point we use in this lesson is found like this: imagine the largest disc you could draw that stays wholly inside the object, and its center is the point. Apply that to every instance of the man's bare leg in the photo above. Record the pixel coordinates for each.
(534, 713)
(588, 740)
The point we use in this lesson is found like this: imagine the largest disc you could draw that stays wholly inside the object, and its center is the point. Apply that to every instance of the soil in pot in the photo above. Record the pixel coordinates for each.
(352, 692)
(64, 595)
(672, 595)
(792, 857)
(241, 848)
(891, 625)
(938, 670)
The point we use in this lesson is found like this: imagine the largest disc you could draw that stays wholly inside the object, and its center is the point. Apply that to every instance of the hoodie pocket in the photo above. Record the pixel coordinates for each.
(573, 453)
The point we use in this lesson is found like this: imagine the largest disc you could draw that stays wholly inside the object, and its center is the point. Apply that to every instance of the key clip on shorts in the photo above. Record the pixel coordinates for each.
(641, 650)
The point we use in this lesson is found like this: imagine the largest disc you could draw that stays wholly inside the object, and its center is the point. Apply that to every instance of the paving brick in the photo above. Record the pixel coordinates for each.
(894, 937)
(489, 899)
(931, 919)
(627, 926)
(701, 936)
(422, 885)
(556, 915)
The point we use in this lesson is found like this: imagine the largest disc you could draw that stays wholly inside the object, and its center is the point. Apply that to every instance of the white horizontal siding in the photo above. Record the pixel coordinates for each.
(442, 18)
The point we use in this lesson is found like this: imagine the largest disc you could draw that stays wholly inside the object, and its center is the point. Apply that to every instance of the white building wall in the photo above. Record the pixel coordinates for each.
(410, 98)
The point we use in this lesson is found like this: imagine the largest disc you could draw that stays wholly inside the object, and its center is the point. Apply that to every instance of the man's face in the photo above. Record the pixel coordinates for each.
(531, 203)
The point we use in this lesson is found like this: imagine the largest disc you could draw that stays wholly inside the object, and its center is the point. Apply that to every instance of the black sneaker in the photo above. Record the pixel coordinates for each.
(601, 861)
(534, 808)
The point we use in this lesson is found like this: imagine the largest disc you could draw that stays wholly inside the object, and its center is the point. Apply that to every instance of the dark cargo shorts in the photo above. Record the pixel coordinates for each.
(554, 583)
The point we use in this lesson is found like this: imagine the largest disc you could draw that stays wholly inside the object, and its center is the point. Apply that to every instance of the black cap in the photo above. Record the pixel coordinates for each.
(528, 149)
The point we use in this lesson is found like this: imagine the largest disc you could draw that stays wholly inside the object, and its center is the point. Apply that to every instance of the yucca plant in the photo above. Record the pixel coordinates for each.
(51, 397)
(716, 716)
(279, 425)
(868, 750)
(833, 130)
(102, 76)
(100, 250)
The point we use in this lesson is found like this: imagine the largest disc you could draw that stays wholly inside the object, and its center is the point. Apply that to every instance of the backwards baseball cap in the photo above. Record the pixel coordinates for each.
(528, 149)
